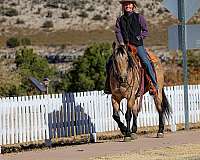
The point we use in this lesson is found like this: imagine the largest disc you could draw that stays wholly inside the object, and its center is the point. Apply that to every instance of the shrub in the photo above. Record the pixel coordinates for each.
(48, 24)
(10, 12)
(13, 42)
(38, 11)
(91, 8)
(13, 4)
(49, 14)
(19, 21)
(64, 7)
(97, 17)
(64, 15)
(25, 41)
(52, 4)
(31, 64)
(83, 14)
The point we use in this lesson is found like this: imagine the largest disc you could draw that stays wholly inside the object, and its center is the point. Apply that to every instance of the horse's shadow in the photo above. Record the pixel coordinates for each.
(70, 120)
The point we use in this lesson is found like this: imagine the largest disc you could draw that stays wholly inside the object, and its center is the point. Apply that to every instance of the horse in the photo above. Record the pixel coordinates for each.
(125, 83)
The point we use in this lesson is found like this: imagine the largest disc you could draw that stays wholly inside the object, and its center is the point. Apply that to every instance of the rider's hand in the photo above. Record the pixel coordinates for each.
(122, 44)
(138, 38)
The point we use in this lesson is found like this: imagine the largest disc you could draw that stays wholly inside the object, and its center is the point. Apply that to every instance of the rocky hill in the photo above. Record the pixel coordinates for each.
(72, 14)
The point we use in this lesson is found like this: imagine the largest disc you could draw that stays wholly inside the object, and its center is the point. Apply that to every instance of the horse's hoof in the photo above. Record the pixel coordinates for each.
(123, 130)
(160, 135)
(127, 139)
(134, 136)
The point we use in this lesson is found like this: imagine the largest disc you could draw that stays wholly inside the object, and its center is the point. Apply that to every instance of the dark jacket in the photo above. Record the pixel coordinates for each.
(131, 28)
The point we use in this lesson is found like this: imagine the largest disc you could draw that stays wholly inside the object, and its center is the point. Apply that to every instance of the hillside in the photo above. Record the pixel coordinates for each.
(68, 14)
(57, 22)
(73, 14)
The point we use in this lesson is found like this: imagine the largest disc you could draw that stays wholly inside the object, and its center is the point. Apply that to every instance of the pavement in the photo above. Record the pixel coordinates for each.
(104, 148)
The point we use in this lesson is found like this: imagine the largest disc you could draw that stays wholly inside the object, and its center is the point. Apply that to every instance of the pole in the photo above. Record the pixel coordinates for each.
(182, 45)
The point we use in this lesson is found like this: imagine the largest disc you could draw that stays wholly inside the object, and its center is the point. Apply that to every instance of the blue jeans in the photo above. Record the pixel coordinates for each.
(144, 60)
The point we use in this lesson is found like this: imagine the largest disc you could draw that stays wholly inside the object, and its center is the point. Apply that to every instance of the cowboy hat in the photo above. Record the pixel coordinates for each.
(131, 1)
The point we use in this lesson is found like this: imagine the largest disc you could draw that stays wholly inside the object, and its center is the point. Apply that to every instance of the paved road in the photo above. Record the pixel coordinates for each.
(89, 151)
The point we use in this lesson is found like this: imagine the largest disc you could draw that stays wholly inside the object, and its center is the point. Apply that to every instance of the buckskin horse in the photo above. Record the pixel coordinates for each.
(125, 82)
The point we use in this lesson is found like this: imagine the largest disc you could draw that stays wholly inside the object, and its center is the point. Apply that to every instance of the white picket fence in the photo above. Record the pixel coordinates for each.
(41, 117)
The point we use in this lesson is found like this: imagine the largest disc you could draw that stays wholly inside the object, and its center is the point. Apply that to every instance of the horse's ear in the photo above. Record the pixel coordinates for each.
(114, 45)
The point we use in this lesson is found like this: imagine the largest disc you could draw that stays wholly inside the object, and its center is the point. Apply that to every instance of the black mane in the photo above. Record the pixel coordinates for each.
(122, 50)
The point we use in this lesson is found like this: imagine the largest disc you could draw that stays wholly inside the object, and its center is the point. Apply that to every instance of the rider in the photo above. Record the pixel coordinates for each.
(131, 28)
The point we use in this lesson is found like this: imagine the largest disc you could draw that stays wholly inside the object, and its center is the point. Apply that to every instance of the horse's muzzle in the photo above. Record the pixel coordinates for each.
(123, 79)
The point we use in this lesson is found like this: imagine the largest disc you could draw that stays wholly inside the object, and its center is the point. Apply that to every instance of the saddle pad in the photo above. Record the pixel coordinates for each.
(152, 56)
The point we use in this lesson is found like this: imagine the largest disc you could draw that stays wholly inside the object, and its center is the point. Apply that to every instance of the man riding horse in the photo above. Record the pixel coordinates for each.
(130, 30)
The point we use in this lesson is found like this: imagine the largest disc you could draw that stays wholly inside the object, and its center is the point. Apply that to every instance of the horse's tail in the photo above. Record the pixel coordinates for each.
(165, 105)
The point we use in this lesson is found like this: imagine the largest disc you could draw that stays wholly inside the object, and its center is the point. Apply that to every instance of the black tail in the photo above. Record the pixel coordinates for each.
(167, 110)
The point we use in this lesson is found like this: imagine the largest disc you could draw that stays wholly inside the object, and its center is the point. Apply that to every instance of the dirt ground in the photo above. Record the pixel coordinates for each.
(181, 145)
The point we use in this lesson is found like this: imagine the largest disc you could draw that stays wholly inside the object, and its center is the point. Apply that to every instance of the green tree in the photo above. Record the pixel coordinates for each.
(88, 72)
(30, 64)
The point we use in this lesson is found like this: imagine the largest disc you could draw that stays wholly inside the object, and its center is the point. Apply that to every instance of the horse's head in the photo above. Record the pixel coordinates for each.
(122, 63)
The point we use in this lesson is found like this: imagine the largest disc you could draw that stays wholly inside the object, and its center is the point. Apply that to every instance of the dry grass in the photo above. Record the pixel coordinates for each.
(157, 36)
(66, 37)
(182, 152)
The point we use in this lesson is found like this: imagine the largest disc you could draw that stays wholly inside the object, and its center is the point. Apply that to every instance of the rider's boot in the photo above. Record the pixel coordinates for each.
(107, 89)
(153, 90)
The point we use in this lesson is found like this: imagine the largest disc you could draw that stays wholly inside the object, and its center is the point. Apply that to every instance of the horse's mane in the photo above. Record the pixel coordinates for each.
(122, 50)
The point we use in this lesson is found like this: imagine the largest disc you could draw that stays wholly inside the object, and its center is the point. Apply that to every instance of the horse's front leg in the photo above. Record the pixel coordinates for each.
(116, 116)
(134, 126)
(134, 111)
(128, 117)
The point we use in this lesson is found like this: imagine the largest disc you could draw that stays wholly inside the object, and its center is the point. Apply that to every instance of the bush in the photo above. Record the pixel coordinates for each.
(30, 64)
(64, 7)
(19, 21)
(97, 17)
(49, 14)
(64, 15)
(38, 11)
(48, 24)
(83, 14)
(10, 12)
(13, 42)
(25, 42)
(193, 59)
(52, 4)
(91, 9)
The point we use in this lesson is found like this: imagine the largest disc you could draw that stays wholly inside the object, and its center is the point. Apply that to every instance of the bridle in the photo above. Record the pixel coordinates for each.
(115, 71)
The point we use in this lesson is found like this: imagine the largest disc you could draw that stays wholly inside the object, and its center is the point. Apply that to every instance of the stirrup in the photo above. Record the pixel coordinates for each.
(107, 91)
(153, 90)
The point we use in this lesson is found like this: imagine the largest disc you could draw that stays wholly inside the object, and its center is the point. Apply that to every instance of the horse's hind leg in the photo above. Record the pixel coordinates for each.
(116, 116)
(158, 102)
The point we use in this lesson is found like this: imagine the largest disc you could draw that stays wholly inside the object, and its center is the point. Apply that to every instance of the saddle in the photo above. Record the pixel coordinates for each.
(145, 81)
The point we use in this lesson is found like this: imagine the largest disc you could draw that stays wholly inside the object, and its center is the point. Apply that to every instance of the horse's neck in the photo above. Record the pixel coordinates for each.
(136, 69)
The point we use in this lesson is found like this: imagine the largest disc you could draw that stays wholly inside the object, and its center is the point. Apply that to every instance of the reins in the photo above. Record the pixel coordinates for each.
(115, 73)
